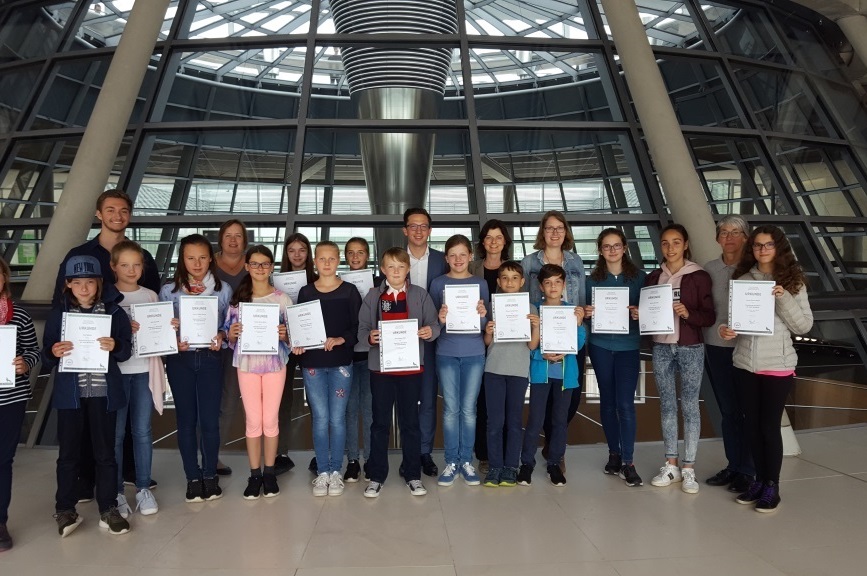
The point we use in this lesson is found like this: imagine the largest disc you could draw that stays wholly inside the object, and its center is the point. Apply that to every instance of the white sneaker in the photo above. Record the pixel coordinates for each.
(416, 488)
(335, 484)
(320, 485)
(372, 490)
(123, 506)
(146, 503)
(690, 486)
(667, 474)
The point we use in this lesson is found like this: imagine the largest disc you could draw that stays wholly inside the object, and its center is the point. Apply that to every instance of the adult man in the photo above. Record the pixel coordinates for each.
(425, 265)
(731, 234)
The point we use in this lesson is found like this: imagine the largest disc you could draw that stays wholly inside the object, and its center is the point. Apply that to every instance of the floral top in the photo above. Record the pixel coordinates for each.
(260, 363)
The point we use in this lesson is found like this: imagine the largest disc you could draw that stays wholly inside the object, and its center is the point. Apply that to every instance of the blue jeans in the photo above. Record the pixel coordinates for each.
(617, 376)
(359, 401)
(140, 406)
(460, 379)
(504, 399)
(721, 372)
(328, 394)
(196, 379)
(561, 399)
(668, 360)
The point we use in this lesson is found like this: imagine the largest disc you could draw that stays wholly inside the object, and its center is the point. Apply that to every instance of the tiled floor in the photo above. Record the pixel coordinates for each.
(595, 526)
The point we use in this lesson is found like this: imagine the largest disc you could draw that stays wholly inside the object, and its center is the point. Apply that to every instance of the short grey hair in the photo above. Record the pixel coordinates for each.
(733, 220)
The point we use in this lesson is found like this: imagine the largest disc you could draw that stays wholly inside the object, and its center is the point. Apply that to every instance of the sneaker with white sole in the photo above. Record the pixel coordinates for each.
(320, 485)
(146, 503)
(416, 488)
(373, 489)
(447, 478)
(469, 474)
(667, 474)
(123, 506)
(690, 485)
(112, 521)
(69, 520)
(335, 484)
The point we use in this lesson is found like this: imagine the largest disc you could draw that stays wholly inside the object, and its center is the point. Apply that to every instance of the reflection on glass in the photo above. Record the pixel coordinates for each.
(698, 93)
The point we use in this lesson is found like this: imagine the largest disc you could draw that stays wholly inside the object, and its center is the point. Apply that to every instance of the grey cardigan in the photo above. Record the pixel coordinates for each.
(791, 316)
(420, 307)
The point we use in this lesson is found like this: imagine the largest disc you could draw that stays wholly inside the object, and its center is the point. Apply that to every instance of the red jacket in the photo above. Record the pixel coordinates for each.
(695, 294)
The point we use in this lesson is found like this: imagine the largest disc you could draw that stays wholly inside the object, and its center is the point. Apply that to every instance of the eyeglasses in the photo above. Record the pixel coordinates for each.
(494, 239)
(417, 227)
(767, 246)
(555, 229)
(612, 247)
(730, 233)
(260, 265)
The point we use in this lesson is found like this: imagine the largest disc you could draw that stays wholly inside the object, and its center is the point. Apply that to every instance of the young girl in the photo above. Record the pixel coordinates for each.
(13, 400)
(143, 382)
(196, 375)
(460, 362)
(765, 365)
(261, 377)
(327, 372)
(615, 357)
(87, 399)
(681, 352)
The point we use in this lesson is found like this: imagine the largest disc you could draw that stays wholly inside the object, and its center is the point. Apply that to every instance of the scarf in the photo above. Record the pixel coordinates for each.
(674, 279)
(6, 310)
(205, 287)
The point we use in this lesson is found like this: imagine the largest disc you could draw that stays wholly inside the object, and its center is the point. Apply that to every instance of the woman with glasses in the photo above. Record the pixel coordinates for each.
(615, 357)
(765, 365)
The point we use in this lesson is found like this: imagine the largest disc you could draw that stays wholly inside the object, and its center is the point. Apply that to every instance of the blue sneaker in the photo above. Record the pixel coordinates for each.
(447, 478)
(469, 474)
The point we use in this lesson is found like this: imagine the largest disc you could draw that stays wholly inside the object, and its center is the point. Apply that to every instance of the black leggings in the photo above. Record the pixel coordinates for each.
(763, 399)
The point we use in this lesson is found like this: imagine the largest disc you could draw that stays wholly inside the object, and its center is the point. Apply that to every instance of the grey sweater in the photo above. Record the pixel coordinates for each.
(720, 274)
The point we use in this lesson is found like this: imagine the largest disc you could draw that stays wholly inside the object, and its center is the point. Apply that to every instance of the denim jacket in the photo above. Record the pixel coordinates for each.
(571, 370)
(572, 263)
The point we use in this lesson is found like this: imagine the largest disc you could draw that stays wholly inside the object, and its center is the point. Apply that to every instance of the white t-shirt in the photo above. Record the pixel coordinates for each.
(136, 365)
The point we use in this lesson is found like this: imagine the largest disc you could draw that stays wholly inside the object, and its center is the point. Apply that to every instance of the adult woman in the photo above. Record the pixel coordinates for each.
(232, 238)
(615, 357)
(765, 365)
(682, 351)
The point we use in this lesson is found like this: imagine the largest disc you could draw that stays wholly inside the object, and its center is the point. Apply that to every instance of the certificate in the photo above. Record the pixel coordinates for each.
(462, 300)
(610, 310)
(361, 279)
(751, 307)
(260, 334)
(290, 282)
(8, 346)
(510, 315)
(559, 330)
(306, 326)
(198, 320)
(155, 336)
(398, 345)
(656, 310)
(84, 331)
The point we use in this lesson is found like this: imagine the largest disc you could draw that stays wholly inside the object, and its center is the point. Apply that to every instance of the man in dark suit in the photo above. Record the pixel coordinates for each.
(425, 265)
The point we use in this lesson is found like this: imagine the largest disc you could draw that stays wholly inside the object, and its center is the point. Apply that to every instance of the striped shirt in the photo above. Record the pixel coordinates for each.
(27, 347)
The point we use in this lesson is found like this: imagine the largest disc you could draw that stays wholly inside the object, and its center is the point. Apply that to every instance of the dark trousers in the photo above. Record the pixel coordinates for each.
(427, 409)
(386, 391)
(722, 380)
(763, 399)
(481, 444)
(574, 400)
(11, 419)
(539, 394)
(92, 414)
(284, 414)
(505, 405)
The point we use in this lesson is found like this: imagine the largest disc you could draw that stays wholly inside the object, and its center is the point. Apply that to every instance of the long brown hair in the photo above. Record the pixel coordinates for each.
(6, 272)
(568, 241)
(600, 271)
(680, 229)
(244, 292)
(182, 276)
(787, 272)
(286, 266)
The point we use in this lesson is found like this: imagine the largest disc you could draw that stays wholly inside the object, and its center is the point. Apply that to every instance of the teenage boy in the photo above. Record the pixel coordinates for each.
(557, 374)
(396, 299)
(425, 264)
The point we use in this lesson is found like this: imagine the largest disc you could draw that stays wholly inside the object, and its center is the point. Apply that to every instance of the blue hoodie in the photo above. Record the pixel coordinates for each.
(571, 371)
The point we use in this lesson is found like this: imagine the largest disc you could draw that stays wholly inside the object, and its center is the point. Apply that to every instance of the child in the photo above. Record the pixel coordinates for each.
(87, 399)
(460, 362)
(395, 299)
(143, 383)
(506, 370)
(550, 373)
(357, 252)
(13, 400)
(261, 377)
(327, 372)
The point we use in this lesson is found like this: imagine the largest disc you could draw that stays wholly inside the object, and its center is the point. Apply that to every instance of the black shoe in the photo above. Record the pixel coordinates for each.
(525, 475)
(630, 476)
(353, 469)
(269, 485)
(67, 521)
(195, 491)
(366, 473)
(428, 466)
(254, 488)
(224, 470)
(113, 522)
(555, 475)
(615, 463)
(401, 471)
(130, 481)
(751, 494)
(770, 498)
(722, 478)
(211, 488)
(5, 538)
(312, 467)
(740, 484)
(283, 464)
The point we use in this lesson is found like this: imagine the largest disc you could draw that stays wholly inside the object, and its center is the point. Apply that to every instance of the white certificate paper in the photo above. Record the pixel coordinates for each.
(510, 316)
(260, 334)
(462, 300)
(656, 310)
(306, 325)
(155, 336)
(610, 310)
(398, 345)
(361, 279)
(290, 283)
(84, 330)
(198, 320)
(751, 307)
(559, 330)
(8, 345)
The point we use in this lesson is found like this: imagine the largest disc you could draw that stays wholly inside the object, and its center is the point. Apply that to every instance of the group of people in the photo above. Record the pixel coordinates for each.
(483, 382)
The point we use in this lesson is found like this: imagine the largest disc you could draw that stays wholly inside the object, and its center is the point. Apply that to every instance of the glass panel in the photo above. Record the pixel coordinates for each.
(809, 51)
(532, 18)
(106, 19)
(272, 68)
(846, 249)
(238, 18)
(15, 90)
(666, 22)
(33, 31)
(744, 32)
(846, 106)
(698, 93)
